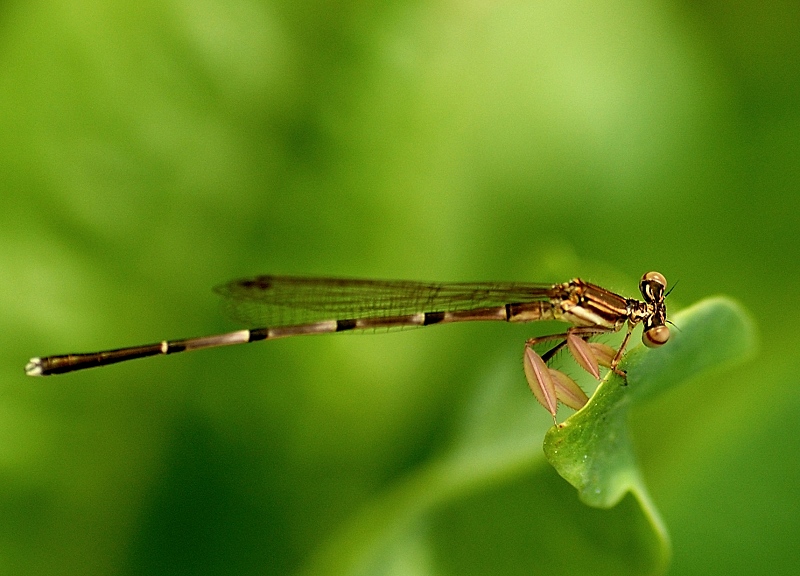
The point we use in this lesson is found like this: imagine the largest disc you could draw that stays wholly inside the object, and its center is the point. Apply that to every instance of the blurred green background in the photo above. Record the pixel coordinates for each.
(151, 150)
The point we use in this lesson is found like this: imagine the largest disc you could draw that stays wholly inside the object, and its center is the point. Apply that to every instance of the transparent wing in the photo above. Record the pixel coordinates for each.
(288, 300)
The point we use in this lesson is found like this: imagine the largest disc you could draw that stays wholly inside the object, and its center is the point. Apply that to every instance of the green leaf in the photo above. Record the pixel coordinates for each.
(592, 449)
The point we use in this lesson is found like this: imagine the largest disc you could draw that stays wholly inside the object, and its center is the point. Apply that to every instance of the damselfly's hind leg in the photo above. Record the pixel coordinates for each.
(589, 355)
(551, 386)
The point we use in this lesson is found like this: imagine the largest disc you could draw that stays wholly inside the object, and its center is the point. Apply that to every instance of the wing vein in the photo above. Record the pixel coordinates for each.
(287, 300)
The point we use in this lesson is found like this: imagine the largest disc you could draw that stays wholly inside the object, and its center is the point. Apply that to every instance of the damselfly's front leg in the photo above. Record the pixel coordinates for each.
(618, 355)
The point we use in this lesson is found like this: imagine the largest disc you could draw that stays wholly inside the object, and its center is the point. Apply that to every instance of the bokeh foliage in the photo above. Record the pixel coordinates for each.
(151, 150)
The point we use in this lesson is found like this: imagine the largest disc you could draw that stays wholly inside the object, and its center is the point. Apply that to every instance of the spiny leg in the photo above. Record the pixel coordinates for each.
(550, 386)
(541, 382)
(576, 338)
(618, 355)
(550, 354)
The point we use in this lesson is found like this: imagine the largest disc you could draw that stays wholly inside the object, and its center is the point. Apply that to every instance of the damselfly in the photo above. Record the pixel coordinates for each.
(293, 306)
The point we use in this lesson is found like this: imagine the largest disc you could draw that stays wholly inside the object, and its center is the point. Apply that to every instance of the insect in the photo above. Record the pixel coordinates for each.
(293, 306)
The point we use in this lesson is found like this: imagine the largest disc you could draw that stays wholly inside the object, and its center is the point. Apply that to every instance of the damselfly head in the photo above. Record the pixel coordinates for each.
(653, 286)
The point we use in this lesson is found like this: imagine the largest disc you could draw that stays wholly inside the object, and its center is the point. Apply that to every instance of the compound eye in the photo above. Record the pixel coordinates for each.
(656, 277)
(655, 336)
(652, 285)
